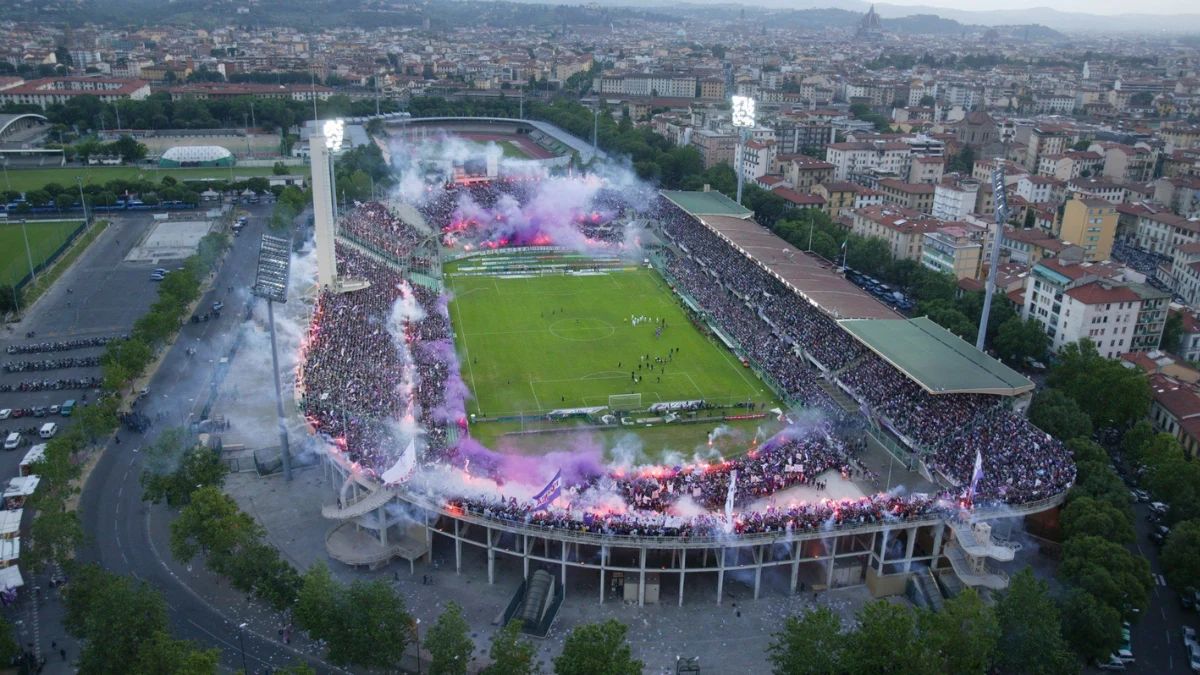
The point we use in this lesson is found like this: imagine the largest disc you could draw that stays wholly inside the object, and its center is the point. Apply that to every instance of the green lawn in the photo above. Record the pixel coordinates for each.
(44, 240)
(513, 150)
(536, 344)
(23, 180)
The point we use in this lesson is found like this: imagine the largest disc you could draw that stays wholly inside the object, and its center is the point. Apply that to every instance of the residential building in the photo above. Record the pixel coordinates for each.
(1036, 189)
(954, 249)
(758, 159)
(795, 137)
(926, 170)
(907, 195)
(1043, 140)
(954, 201)
(1125, 163)
(904, 230)
(839, 197)
(1070, 165)
(800, 200)
(715, 147)
(1180, 193)
(1163, 232)
(1183, 273)
(1175, 410)
(1030, 246)
(1090, 223)
(54, 90)
(803, 172)
(228, 90)
(848, 158)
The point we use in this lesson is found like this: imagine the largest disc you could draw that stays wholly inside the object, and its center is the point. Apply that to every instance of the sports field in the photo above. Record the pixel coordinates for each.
(539, 343)
(23, 180)
(44, 240)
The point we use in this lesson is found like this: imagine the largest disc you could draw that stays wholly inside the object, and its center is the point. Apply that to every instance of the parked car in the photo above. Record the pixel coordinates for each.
(54, 409)
(217, 306)
(39, 411)
(1189, 635)
(1159, 508)
(6, 413)
(1112, 664)
(1142, 495)
(157, 277)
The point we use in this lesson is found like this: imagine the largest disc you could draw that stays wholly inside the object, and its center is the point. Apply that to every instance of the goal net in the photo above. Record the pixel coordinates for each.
(624, 401)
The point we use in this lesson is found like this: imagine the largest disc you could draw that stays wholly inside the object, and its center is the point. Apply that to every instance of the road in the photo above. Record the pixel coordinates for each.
(108, 296)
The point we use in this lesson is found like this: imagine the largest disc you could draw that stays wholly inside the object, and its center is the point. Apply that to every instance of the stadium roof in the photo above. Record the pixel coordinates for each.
(711, 203)
(937, 359)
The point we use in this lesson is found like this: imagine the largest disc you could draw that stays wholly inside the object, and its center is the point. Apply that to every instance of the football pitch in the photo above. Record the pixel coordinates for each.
(535, 344)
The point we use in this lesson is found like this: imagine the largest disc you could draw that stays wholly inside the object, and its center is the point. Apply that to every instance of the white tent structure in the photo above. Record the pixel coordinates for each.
(196, 155)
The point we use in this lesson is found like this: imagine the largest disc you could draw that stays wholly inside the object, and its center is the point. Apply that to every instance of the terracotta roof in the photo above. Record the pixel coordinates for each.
(1095, 294)
(1178, 398)
(799, 198)
(913, 188)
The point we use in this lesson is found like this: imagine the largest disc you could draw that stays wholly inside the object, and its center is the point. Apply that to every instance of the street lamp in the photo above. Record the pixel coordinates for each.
(32, 275)
(417, 636)
(245, 668)
(274, 261)
(87, 222)
(743, 120)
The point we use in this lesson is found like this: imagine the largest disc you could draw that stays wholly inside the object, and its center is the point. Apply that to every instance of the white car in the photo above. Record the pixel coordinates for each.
(6, 413)
(1193, 651)
(1112, 664)
(1189, 636)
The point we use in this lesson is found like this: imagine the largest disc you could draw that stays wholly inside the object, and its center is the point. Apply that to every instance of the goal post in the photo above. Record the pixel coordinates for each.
(625, 401)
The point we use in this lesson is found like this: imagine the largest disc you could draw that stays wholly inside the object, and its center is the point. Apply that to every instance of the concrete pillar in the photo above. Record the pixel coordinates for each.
(882, 551)
(525, 554)
(457, 547)
(564, 568)
(602, 575)
(682, 572)
(381, 519)
(705, 557)
(720, 576)
(642, 577)
(832, 562)
(908, 553)
(757, 551)
(428, 540)
(795, 565)
(491, 558)
(937, 544)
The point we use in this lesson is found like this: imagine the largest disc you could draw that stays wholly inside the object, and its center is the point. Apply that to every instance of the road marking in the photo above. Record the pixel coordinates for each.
(1162, 581)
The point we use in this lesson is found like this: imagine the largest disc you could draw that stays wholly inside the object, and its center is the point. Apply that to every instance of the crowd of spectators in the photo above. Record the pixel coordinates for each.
(360, 379)
(374, 225)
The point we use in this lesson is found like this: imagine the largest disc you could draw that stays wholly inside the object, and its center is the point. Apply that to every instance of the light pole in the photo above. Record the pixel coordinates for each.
(334, 131)
(743, 120)
(7, 184)
(1000, 200)
(87, 222)
(245, 668)
(417, 636)
(274, 261)
(28, 255)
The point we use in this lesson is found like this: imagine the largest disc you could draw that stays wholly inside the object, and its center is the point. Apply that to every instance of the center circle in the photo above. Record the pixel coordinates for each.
(582, 330)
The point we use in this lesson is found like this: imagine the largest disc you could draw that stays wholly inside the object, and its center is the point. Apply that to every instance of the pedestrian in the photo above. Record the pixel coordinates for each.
(64, 654)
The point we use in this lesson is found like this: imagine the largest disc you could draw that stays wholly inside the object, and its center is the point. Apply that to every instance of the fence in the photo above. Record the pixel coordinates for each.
(53, 257)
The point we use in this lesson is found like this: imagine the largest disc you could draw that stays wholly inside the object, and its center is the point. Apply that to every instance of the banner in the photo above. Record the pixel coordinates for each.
(403, 469)
(975, 476)
(549, 493)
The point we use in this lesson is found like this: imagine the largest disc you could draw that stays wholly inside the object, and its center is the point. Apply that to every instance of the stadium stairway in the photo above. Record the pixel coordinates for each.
(929, 588)
(353, 508)
(996, 549)
(835, 392)
(975, 572)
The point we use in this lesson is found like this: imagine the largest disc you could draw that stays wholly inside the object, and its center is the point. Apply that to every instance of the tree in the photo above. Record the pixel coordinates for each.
(114, 616)
(318, 604)
(449, 643)
(10, 299)
(1180, 557)
(964, 161)
(1086, 516)
(1059, 415)
(963, 634)
(9, 647)
(183, 286)
(1109, 571)
(946, 315)
(165, 655)
(888, 641)
(1172, 336)
(129, 149)
(1031, 640)
(376, 629)
(98, 419)
(511, 654)
(928, 101)
(258, 568)
(172, 470)
(280, 169)
(55, 533)
(211, 522)
(1081, 146)
(597, 649)
(809, 644)
(1137, 438)
(1091, 628)
(1018, 340)
(1106, 390)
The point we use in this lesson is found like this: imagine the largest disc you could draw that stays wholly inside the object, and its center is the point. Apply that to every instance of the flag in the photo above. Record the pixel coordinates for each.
(549, 493)
(404, 467)
(975, 476)
(844, 245)
(729, 499)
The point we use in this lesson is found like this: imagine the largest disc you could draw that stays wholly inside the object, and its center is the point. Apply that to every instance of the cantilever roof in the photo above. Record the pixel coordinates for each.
(935, 358)
(711, 203)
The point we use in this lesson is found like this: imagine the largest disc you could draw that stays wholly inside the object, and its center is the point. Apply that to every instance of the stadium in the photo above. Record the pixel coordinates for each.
(644, 392)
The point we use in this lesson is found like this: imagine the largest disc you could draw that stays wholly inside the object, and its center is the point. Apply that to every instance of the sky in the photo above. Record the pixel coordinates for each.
(1085, 6)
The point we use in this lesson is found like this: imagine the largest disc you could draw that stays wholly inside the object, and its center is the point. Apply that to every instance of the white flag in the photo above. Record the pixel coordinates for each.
(404, 467)
(729, 500)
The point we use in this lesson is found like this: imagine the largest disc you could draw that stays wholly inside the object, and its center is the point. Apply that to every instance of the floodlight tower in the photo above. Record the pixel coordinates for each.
(274, 263)
(1007, 132)
(323, 214)
(743, 121)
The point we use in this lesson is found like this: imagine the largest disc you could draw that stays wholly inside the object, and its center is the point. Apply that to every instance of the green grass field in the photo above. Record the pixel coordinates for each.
(44, 239)
(23, 180)
(536, 344)
(513, 151)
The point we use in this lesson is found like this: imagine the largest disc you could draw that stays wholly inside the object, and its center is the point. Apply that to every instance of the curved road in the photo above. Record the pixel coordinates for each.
(120, 523)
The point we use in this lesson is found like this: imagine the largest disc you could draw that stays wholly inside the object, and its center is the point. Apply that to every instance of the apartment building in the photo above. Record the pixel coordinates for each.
(1164, 232)
(758, 159)
(1073, 300)
(52, 90)
(926, 170)
(803, 172)
(1090, 223)
(907, 195)
(1036, 189)
(1070, 165)
(954, 201)
(715, 147)
(658, 85)
(1124, 163)
(839, 197)
(848, 158)
(1043, 140)
(904, 230)
(954, 249)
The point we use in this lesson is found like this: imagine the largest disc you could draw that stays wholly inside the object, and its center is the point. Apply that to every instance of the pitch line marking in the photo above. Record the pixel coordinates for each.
(535, 396)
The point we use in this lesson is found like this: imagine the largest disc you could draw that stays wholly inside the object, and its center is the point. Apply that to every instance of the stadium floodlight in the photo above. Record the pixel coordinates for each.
(743, 111)
(274, 264)
(334, 132)
(743, 121)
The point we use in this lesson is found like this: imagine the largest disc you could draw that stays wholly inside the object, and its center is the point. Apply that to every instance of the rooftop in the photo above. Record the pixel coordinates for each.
(938, 360)
(707, 203)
